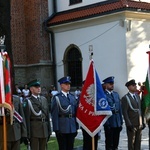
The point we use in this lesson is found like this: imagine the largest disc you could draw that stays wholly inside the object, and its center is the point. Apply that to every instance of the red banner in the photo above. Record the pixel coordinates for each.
(86, 114)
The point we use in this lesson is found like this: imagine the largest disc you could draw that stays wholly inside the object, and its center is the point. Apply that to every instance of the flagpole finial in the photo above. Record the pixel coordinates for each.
(2, 46)
(90, 51)
(148, 52)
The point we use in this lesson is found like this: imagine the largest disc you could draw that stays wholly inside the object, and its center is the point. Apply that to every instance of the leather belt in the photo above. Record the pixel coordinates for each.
(67, 116)
(39, 119)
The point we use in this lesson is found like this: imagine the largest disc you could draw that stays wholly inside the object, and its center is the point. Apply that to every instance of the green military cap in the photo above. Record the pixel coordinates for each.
(131, 82)
(34, 83)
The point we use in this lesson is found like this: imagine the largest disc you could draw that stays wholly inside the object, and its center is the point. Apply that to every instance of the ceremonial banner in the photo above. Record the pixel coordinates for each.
(146, 102)
(5, 84)
(147, 91)
(7, 79)
(2, 95)
(93, 110)
(2, 90)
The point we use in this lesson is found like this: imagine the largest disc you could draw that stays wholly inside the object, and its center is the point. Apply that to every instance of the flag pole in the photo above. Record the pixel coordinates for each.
(91, 57)
(148, 52)
(90, 51)
(4, 132)
(93, 145)
(91, 99)
(2, 48)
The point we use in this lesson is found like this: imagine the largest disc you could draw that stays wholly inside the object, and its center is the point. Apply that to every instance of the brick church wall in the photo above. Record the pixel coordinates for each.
(30, 41)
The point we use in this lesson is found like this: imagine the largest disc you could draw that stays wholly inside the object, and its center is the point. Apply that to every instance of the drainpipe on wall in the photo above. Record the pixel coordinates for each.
(54, 6)
(53, 57)
(52, 42)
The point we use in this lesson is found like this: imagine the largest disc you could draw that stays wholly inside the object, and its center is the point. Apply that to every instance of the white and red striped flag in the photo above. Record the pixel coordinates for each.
(2, 90)
(93, 110)
(5, 85)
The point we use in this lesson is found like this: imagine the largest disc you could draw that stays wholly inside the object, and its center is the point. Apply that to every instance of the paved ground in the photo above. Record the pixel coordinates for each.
(123, 140)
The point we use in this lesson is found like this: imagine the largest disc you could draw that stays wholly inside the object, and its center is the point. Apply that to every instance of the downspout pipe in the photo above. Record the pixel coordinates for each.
(54, 6)
(52, 38)
(53, 56)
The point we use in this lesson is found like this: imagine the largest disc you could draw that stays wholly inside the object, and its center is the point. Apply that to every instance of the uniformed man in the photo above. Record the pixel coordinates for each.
(113, 125)
(131, 108)
(17, 130)
(63, 110)
(37, 117)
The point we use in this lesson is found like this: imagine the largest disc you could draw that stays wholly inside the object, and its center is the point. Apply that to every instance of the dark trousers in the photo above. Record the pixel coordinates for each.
(38, 143)
(149, 133)
(11, 145)
(87, 141)
(65, 141)
(112, 136)
(134, 139)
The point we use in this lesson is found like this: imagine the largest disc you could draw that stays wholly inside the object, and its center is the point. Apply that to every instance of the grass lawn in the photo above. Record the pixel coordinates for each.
(52, 144)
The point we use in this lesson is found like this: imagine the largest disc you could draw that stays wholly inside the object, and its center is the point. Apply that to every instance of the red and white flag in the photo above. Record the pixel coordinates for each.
(5, 85)
(2, 89)
(93, 110)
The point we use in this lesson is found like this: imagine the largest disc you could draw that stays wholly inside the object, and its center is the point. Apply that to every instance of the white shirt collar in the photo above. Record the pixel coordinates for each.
(109, 91)
(36, 96)
(132, 94)
(65, 93)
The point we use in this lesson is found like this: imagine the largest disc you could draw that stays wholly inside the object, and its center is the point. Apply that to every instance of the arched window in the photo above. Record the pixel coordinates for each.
(73, 65)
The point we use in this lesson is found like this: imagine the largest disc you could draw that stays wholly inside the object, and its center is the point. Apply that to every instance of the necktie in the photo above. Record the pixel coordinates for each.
(134, 97)
(112, 97)
(38, 98)
(68, 97)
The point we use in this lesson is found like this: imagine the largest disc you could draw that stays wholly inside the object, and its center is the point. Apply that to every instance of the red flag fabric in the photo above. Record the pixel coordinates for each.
(7, 79)
(86, 115)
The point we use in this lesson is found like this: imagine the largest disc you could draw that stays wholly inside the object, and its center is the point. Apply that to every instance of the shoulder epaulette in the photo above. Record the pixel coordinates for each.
(72, 94)
(57, 94)
(15, 96)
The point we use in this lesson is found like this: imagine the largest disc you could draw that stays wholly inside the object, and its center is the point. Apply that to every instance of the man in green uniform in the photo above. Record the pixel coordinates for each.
(37, 117)
(15, 131)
